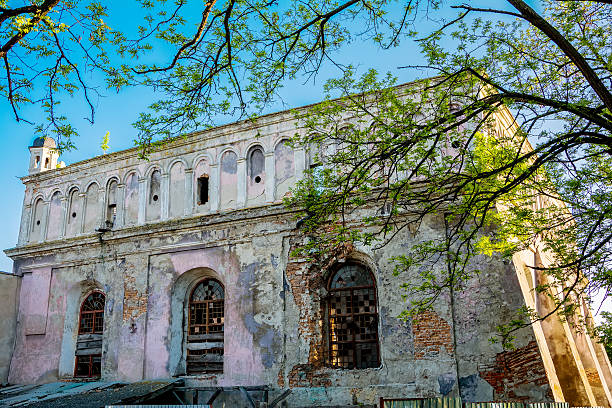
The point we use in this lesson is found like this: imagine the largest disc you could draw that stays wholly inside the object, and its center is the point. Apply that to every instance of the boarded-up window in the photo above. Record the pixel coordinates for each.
(229, 180)
(154, 199)
(73, 227)
(131, 200)
(352, 318)
(55, 222)
(205, 317)
(177, 190)
(88, 361)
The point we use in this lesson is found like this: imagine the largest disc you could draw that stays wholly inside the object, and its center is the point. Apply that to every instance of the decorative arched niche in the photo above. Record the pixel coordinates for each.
(177, 190)
(229, 180)
(54, 225)
(256, 175)
(37, 217)
(73, 223)
(284, 162)
(203, 283)
(153, 211)
(92, 208)
(130, 203)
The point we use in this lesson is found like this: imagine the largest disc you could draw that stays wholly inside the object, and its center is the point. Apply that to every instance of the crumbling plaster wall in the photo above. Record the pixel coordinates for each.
(9, 289)
(273, 327)
(273, 304)
(444, 352)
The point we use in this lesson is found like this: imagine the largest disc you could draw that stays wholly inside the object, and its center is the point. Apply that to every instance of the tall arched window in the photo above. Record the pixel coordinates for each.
(352, 318)
(205, 327)
(89, 342)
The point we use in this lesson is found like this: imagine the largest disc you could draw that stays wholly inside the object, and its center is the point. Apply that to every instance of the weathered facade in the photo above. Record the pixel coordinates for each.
(182, 266)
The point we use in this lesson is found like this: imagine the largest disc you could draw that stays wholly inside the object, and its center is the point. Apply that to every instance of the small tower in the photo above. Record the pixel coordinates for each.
(43, 154)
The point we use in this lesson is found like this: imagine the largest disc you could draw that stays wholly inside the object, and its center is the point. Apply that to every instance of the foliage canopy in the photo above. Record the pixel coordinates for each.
(542, 181)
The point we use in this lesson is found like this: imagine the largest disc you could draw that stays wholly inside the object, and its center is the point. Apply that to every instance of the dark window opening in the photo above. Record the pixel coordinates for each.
(111, 214)
(73, 215)
(155, 197)
(206, 316)
(37, 161)
(37, 222)
(88, 361)
(258, 179)
(88, 366)
(202, 190)
(352, 319)
(47, 163)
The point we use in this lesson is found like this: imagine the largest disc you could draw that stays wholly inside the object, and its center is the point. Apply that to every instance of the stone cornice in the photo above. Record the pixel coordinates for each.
(184, 225)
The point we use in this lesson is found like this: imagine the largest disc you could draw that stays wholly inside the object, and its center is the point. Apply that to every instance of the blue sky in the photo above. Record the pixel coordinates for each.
(116, 112)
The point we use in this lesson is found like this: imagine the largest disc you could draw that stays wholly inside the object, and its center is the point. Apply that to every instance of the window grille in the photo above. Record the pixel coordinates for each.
(352, 318)
(205, 328)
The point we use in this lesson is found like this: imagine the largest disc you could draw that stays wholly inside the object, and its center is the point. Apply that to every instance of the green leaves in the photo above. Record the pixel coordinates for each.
(508, 150)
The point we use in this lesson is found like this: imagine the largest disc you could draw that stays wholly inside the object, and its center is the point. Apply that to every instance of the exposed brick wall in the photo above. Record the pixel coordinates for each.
(513, 368)
(306, 279)
(431, 335)
(306, 375)
(134, 302)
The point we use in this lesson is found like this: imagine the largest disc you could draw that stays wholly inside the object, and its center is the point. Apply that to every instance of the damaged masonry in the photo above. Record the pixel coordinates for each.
(179, 268)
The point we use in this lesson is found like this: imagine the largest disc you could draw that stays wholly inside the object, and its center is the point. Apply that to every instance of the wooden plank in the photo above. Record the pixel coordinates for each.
(206, 358)
(89, 337)
(280, 398)
(203, 368)
(88, 352)
(214, 396)
(246, 395)
(205, 345)
(204, 337)
(89, 344)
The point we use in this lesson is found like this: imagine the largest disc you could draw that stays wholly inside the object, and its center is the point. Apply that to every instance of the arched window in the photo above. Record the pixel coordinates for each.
(205, 328)
(89, 342)
(352, 318)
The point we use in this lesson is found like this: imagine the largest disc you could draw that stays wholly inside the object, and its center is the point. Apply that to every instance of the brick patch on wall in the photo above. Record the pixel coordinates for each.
(431, 335)
(134, 303)
(305, 375)
(307, 280)
(516, 367)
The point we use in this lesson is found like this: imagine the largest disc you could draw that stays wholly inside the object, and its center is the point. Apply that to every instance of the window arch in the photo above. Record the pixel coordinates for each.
(88, 362)
(205, 327)
(352, 318)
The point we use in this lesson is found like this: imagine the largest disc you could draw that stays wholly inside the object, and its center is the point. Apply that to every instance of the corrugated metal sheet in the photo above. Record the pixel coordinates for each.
(548, 405)
(424, 403)
(442, 403)
(158, 406)
(402, 404)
